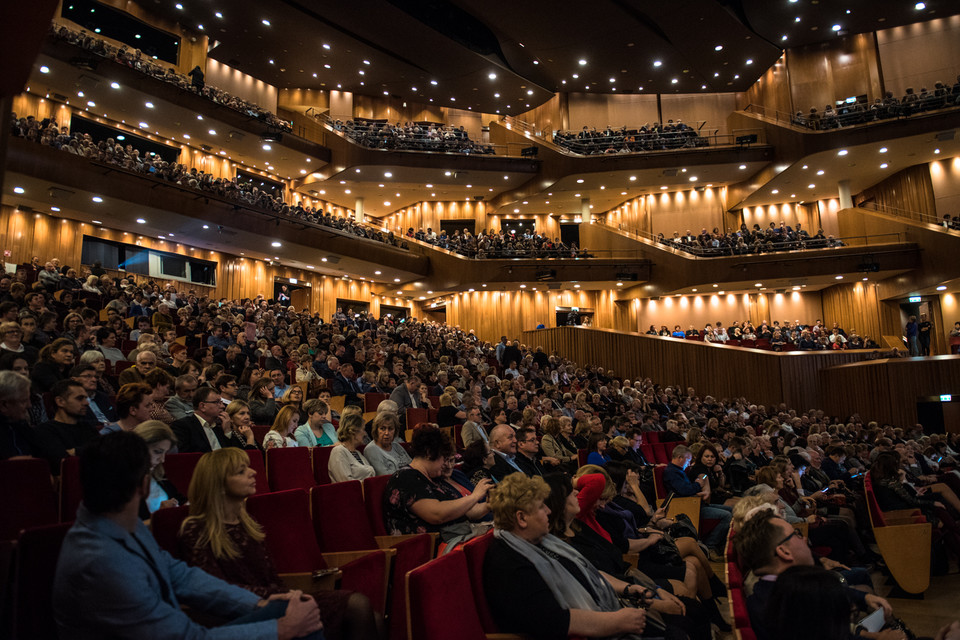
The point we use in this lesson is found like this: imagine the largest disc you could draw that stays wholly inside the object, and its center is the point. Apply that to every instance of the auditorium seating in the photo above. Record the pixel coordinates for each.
(71, 493)
(165, 525)
(290, 539)
(38, 549)
(290, 468)
(904, 538)
(178, 467)
(28, 499)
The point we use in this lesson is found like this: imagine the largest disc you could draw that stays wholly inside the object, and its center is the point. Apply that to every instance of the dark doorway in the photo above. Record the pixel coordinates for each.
(570, 234)
(450, 226)
(394, 312)
(352, 307)
(289, 292)
(574, 317)
(518, 227)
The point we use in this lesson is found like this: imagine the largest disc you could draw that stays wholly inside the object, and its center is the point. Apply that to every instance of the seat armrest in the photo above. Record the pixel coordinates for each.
(307, 583)
(338, 559)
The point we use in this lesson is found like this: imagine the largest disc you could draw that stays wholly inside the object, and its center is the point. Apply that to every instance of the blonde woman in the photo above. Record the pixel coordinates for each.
(159, 438)
(292, 397)
(223, 539)
(346, 461)
(281, 432)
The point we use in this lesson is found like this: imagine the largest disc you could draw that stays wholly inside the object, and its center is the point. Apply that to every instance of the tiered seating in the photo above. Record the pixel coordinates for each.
(736, 597)
(28, 499)
(290, 468)
(904, 538)
(37, 552)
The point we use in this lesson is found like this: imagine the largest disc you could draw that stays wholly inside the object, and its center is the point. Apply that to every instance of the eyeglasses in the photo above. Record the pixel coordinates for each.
(796, 532)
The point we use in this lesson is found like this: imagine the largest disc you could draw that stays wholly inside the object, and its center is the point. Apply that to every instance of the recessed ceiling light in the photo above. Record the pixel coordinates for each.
(743, 166)
(719, 47)
(144, 125)
(835, 27)
(141, 221)
(842, 152)
(674, 81)
(749, 60)
(148, 105)
(884, 165)
(579, 180)
(582, 62)
(218, 14)
(97, 199)
(434, 82)
(386, 203)
(56, 209)
(265, 22)
(942, 287)
(179, 6)
(693, 178)
(387, 174)
(811, 186)
(212, 132)
(266, 146)
(492, 76)
(758, 284)
(657, 63)
(775, 191)
(576, 286)
(664, 188)
(820, 172)
(523, 286)
(936, 151)
(275, 244)
(206, 226)
(18, 189)
(883, 149)
(920, 6)
(839, 278)
(44, 69)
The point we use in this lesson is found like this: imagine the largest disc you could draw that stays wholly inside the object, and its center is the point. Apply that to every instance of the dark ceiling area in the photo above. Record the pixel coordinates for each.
(507, 57)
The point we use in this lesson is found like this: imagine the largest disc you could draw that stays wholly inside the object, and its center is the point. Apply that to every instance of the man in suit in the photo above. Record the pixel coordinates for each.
(503, 440)
(100, 410)
(406, 396)
(345, 384)
(209, 427)
(473, 428)
(146, 362)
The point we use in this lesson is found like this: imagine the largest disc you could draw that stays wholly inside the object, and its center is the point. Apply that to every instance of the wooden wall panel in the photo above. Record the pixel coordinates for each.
(790, 213)
(920, 54)
(887, 390)
(945, 180)
(492, 314)
(771, 91)
(725, 372)
(821, 74)
(225, 77)
(710, 109)
(670, 211)
(596, 110)
(697, 310)
(428, 214)
(551, 116)
(854, 306)
(910, 191)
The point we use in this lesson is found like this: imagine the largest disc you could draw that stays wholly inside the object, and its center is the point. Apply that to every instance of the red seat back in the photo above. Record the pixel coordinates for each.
(165, 525)
(373, 489)
(372, 400)
(582, 456)
(71, 493)
(38, 550)
(658, 487)
(651, 437)
(412, 552)
(431, 604)
(285, 518)
(258, 465)
(289, 468)
(123, 365)
(339, 517)
(475, 550)
(179, 467)
(27, 499)
(321, 464)
(416, 417)
(875, 512)
(259, 432)
(741, 617)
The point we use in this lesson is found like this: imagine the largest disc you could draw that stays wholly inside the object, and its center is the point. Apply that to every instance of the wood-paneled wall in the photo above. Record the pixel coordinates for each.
(918, 55)
(854, 306)
(821, 74)
(601, 110)
(234, 81)
(724, 372)
(910, 190)
(26, 235)
(428, 214)
(888, 390)
(670, 211)
(945, 180)
(551, 116)
(697, 310)
(711, 109)
(771, 91)
(492, 314)
(790, 213)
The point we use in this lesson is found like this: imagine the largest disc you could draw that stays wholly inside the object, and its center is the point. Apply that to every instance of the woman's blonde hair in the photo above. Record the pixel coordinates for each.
(152, 432)
(285, 399)
(351, 409)
(235, 406)
(208, 501)
(743, 506)
(515, 493)
(620, 442)
(284, 416)
(349, 426)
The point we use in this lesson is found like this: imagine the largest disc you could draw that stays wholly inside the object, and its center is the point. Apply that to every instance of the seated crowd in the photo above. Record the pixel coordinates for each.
(111, 151)
(847, 114)
(556, 566)
(745, 241)
(411, 136)
(499, 244)
(951, 223)
(649, 137)
(149, 66)
(786, 337)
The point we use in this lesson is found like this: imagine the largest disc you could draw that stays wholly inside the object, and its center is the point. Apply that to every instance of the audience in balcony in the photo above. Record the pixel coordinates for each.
(785, 337)
(499, 244)
(193, 81)
(847, 114)
(152, 165)
(649, 137)
(746, 241)
(411, 136)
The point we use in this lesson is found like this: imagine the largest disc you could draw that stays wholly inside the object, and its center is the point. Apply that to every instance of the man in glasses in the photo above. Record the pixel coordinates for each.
(209, 428)
(768, 545)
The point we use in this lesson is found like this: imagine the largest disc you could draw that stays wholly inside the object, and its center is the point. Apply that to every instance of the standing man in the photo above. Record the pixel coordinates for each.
(924, 333)
(913, 341)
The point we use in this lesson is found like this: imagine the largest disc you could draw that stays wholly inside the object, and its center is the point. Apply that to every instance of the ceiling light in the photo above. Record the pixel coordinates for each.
(719, 47)
(275, 244)
(386, 203)
(936, 151)
(674, 81)
(114, 85)
(743, 166)
(820, 173)
(775, 191)
(97, 199)
(346, 191)
(44, 69)
(842, 152)
(839, 278)
(579, 180)
(884, 165)
(266, 147)
(576, 286)
(811, 186)
(664, 188)
(619, 284)
(434, 82)
(186, 136)
(749, 60)
(523, 286)
(582, 62)
(387, 174)
(141, 221)
(218, 14)
(529, 92)
(144, 125)
(835, 27)
(265, 22)
(657, 63)
(920, 6)
(758, 284)
(693, 178)
(200, 26)
(18, 189)
(883, 149)
(55, 209)
(212, 132)
(206, 226)
(179, 6)
(428, 186)
(492, 76)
